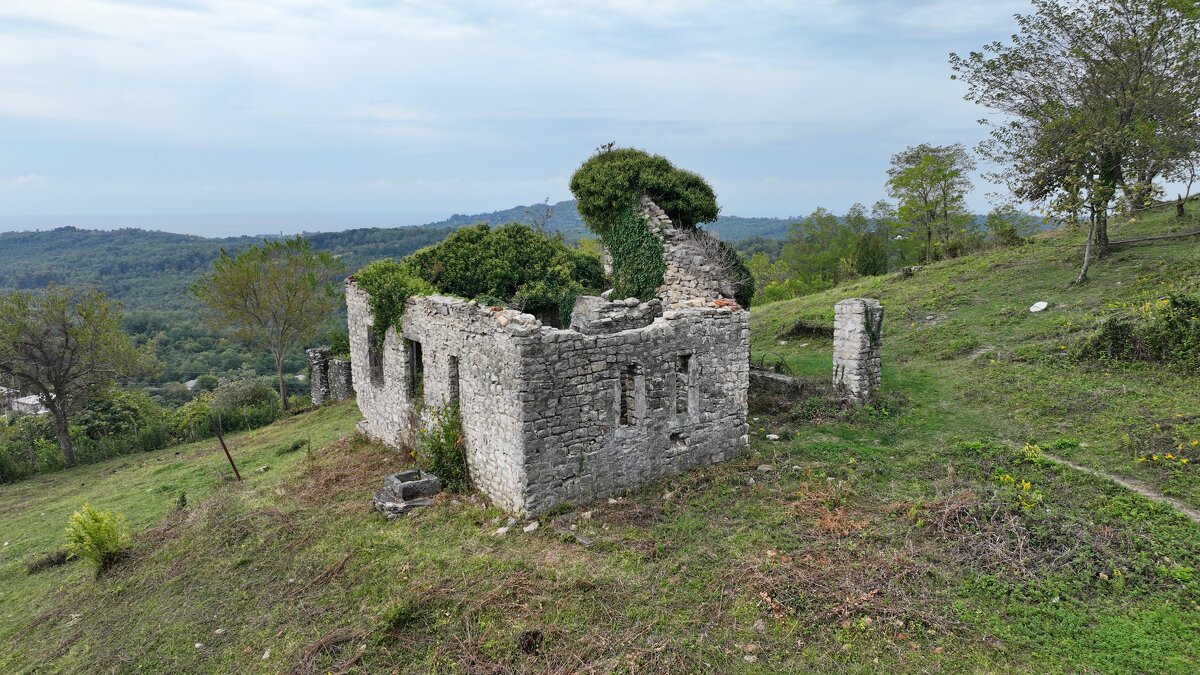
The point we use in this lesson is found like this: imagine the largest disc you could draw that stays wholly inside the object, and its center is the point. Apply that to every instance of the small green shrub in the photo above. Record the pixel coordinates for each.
(441, 449)
(96, 536)
(390, 285)
(1162, 331)
(1031, 453)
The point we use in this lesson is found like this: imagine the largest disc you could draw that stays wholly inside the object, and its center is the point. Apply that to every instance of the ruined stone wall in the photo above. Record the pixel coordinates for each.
(379, 370)
(331, 379)
(694, 275)
(578, 443)
(341, 381)
(468, 355)
(552, 416)
(593, 314)
(630, 393)
(857, 341)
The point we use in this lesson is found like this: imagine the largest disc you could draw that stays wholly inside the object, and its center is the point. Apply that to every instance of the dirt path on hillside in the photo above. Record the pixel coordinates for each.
(1133, 485)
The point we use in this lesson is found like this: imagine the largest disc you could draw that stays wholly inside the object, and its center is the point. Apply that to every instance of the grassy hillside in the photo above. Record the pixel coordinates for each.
(965, 325)
(881, 539)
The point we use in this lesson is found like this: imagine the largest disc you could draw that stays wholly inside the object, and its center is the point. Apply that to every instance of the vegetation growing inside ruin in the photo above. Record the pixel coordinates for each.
(614, 179)
(441, 449)
(608, 188)
(515, 264)
(637, 257)
(390, 285)
(512, 265)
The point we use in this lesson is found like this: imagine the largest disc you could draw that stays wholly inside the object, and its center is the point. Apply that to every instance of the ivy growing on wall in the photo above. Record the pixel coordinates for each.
(390, 285)
(637, 256)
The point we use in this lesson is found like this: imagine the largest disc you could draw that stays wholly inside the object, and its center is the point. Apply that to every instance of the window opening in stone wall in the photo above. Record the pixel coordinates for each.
(629, 377)
(375, 357)
(416, 371)
(453, 372)
(683, 384)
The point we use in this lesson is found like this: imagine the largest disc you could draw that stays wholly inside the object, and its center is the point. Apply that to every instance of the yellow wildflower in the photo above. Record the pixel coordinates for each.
(1183, 461)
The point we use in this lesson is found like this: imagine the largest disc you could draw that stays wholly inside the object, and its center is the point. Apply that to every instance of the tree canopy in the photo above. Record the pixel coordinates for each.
(65, 346)
(512, 264)
(930, 183)
(1098, 98)
(275, 296)
(611, 181)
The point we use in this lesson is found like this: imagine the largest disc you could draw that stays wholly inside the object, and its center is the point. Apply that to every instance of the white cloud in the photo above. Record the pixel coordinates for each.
(28, 182)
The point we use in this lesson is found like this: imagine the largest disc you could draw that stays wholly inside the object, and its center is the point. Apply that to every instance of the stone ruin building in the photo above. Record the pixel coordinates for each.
(628, 393)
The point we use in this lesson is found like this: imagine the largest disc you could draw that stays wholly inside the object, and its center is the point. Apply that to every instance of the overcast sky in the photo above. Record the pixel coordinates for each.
(370, 111)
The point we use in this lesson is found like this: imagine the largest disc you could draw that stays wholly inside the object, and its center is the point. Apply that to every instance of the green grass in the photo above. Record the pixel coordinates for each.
(883, 539)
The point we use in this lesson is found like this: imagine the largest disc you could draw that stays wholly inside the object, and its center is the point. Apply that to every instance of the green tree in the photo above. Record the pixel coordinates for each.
(931, 183)
(612, 181)
(1097, 99)
(275, 296)
(66, 346)
(512, 264)
(870, 255)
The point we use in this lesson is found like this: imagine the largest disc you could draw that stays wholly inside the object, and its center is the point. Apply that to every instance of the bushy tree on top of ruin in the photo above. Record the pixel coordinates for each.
(611, 182)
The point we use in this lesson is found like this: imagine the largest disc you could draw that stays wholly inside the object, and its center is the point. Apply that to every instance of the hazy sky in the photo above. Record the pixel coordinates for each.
(418, 110)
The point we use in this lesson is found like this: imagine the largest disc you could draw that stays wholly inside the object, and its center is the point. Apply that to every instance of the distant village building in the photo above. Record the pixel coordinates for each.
(630, 392)
(29, 405)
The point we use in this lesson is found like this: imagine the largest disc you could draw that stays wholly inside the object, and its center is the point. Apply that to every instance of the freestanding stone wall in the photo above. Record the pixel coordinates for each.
(631, 392)
(857, 339)
(331, 379)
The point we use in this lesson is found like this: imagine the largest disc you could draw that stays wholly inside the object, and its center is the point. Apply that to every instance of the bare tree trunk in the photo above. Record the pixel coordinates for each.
(62, 429)
(1179, 207)
(1100, 232)
(283, 402)
(1087, 251)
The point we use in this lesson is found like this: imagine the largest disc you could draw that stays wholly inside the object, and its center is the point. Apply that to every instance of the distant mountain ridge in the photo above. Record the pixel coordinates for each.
(151, 270)
(564, 217)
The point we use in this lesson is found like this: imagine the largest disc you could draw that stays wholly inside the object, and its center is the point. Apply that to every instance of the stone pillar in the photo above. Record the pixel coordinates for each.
(857, 338)
(341, 386)
(318, 358)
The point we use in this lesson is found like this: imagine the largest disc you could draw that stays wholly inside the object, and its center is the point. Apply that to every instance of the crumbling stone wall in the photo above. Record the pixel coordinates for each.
(616, 410)
(331, 379)
(694, 273)
(631, 392)
(857, 341)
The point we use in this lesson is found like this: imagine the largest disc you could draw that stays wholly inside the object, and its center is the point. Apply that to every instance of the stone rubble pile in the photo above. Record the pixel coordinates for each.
(405, 491)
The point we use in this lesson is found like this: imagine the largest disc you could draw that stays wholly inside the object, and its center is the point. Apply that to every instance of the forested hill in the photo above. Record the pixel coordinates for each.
(151, 271)
(563, 217)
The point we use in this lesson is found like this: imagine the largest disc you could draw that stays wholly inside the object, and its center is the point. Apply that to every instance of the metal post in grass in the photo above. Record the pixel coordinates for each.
(221, 437)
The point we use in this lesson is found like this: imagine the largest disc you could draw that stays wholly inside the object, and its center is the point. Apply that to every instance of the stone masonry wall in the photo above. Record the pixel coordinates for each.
(331, 379)
(318, 360)
(630, 393)
(857, 340)
(542, 407)
(341, 381)
(468, 355)
(694, 276)
(684, 380)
